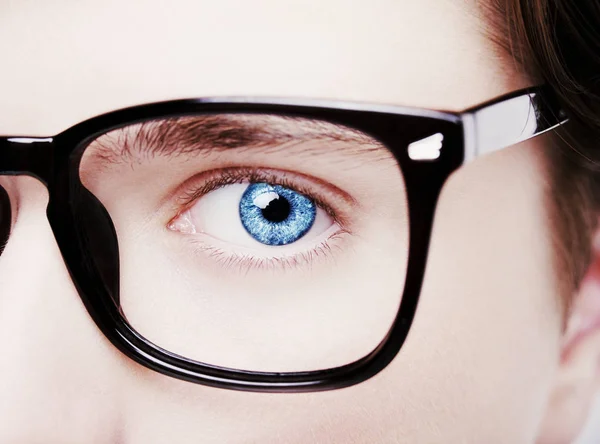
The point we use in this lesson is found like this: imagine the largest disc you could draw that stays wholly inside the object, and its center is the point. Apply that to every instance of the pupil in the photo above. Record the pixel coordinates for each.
(277, 210)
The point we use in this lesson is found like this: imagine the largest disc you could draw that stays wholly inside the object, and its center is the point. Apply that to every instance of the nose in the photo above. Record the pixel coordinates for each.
(59, 376)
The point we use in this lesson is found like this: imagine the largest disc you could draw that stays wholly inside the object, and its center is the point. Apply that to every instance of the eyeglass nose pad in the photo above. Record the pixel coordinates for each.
(97, 237)
(5, 218)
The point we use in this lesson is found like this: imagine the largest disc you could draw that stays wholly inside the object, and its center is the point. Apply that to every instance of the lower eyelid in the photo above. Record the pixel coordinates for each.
(282, 250)
(247, 260)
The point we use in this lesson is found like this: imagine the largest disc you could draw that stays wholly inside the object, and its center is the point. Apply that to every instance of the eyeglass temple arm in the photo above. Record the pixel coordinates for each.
(508, 121)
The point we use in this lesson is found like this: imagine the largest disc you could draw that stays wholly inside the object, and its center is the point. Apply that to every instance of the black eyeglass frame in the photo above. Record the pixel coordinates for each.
(466, 135)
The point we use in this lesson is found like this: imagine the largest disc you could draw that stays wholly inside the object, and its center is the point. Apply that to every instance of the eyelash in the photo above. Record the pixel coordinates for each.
(230, 176)
(243, 262)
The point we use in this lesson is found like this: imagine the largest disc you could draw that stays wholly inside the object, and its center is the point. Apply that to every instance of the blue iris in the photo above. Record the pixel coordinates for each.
(275, 215)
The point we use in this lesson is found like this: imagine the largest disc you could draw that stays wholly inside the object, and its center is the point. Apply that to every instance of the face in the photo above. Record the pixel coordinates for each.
(478, 363)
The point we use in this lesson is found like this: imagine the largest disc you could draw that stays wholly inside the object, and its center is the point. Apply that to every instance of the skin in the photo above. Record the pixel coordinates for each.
(486, 352)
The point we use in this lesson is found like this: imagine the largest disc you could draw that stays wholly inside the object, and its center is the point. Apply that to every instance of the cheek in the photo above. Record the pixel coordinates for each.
(485, 340)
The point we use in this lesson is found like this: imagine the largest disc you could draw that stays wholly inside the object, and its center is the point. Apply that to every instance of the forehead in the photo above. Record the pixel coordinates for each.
(67, 60)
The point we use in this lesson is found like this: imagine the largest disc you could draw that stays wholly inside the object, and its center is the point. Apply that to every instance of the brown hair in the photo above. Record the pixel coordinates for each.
(557, 42)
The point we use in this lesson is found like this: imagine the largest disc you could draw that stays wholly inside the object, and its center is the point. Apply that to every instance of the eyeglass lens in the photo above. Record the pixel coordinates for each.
(251, 241)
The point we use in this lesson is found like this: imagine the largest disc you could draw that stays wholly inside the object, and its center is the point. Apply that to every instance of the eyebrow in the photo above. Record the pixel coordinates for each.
(210, 134)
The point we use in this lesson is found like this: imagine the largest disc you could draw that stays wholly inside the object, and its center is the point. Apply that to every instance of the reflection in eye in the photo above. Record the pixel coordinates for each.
(257, 216)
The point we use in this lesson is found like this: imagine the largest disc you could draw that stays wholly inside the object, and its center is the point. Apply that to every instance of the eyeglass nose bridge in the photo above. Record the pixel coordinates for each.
(31, 156)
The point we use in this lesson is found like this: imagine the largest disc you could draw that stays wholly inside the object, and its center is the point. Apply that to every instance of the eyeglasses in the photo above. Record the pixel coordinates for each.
(262, 245)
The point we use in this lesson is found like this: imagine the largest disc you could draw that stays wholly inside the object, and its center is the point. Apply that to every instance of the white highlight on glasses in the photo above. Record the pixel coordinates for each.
(426, 149)
(29, 139)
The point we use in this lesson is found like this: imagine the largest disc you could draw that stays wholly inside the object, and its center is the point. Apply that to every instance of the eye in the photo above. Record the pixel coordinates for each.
(255, 215)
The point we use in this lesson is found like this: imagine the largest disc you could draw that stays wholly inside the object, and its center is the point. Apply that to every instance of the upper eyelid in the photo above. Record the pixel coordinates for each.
(268, 175)
(241, 173)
